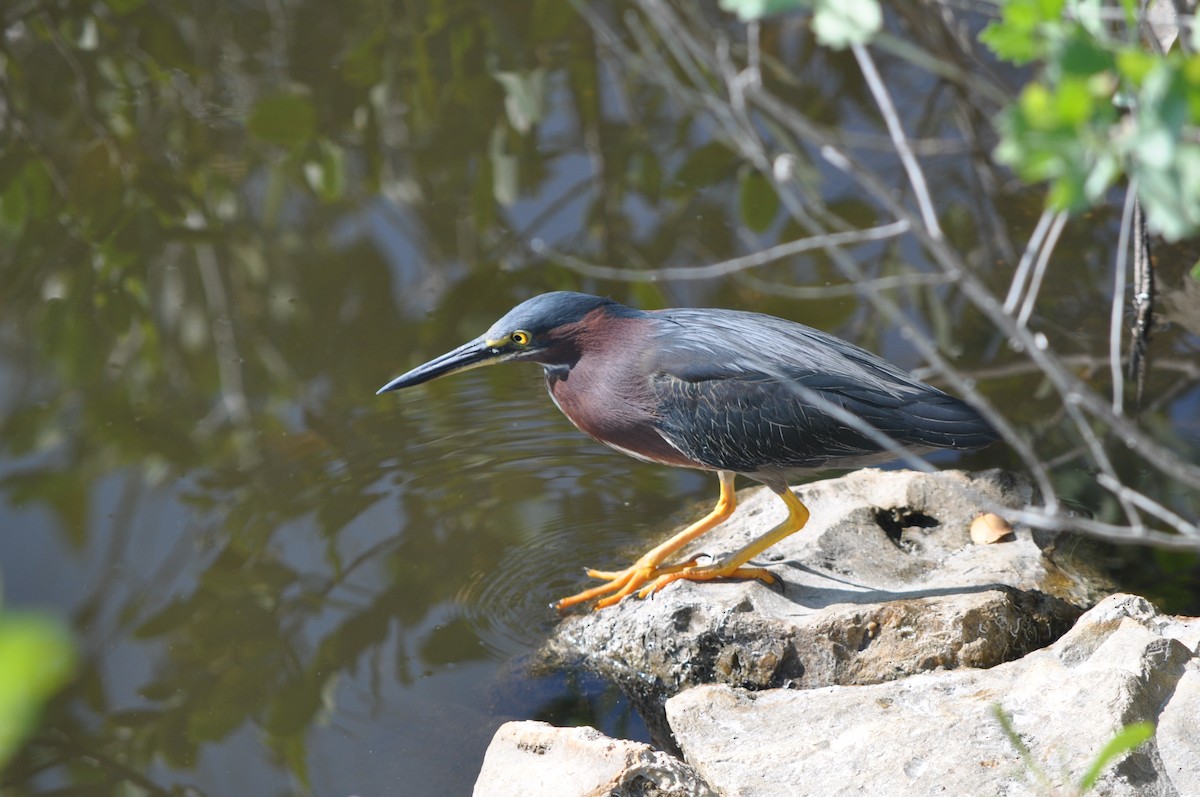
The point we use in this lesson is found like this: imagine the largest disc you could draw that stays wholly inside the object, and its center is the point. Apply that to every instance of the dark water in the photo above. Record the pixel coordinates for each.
(224, 228)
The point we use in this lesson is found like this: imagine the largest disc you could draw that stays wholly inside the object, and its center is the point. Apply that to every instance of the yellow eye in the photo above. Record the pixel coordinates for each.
(520, 337)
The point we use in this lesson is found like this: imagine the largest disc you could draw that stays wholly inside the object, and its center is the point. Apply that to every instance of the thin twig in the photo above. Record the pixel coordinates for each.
(861, 288)
(727, 267)
(886, 107)
(1017, 287)
(1148, 504)
(1039, 517)
(1117, 313)
(1039, 269)
(1101, 458)
(1190, 369)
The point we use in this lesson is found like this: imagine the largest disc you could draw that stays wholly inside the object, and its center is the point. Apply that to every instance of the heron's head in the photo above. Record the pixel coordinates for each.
(545, 329)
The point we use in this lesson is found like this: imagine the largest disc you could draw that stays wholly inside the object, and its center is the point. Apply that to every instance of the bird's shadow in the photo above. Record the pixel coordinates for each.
(813, 597)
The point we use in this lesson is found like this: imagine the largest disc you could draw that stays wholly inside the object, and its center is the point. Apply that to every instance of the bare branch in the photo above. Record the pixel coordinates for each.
(896, 129)
(735, 265)
(1021, 275)
(1118, 302)
(1039, 269)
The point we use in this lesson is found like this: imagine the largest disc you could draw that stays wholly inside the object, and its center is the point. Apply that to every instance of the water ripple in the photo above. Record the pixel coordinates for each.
(511, 605)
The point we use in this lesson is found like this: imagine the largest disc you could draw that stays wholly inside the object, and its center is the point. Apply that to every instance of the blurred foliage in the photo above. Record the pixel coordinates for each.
(1107, 102)
(37, 659)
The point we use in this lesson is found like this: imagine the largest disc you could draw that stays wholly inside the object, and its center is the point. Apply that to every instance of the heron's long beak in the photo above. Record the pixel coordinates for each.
(472, 354)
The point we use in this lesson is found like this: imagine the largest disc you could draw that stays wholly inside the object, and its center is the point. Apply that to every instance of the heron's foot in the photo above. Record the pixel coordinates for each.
(646, 579)
(618, 583)
(690, 571)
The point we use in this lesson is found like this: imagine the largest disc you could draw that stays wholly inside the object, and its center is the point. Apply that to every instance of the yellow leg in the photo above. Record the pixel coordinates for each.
(623, 582)
(731, 565)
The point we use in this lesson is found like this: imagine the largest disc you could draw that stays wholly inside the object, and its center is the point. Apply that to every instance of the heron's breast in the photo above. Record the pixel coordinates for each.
(607, 399)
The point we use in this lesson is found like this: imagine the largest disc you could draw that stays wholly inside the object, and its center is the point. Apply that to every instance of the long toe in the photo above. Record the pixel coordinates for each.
(616, 582)
(619, 583)
(707, 573)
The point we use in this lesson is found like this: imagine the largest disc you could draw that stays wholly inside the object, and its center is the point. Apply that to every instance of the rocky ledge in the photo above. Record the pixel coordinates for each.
(884, 582)
(873, 666)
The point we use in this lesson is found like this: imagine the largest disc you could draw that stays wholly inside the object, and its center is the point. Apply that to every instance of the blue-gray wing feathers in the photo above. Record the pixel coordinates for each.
(749, 393)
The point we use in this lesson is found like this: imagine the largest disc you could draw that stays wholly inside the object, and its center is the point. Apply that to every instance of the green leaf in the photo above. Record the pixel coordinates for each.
(1010, 43)
(1082, 55)
(1134, 63)
(1100, 178)
(1090, 14)
(1016, 741)
(1191, 78)
(1073, 105)
(1164, 99)
(757, 201)
(1037, 106)
(1066, 192)
(841, 23)
(288, 120)
(1129, 738)
(1169, 193)
(1166, 168)
(1021, 36)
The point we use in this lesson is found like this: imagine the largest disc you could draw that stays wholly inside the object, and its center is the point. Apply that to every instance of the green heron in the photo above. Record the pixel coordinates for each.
(717, 390)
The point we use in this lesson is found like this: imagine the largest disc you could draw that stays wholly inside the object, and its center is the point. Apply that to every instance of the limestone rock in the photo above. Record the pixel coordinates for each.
(533, 759)
(884, 582)
(936, 733)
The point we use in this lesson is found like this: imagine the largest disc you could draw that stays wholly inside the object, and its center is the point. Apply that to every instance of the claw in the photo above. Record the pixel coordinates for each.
(621, 583)
(650, 566)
